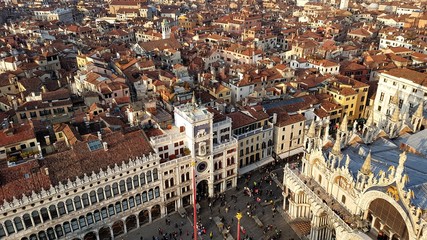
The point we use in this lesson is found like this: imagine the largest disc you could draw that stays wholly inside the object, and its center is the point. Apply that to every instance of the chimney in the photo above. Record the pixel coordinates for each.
(46, 171)
(274, 118)
(39, 148)
(105, 144)
(99, 136)
(59, 83)
(47, 139)
(11, 124)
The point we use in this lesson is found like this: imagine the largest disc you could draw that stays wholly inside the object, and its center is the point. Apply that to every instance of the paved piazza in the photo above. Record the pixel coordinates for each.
(263, 211)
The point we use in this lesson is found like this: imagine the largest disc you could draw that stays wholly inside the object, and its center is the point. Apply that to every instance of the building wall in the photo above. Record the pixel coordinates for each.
(285, 135)
(410, 94)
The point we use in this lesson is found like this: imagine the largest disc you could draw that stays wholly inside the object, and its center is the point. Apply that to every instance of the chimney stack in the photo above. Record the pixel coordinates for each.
(47, 139)
(105, 144)
(99, 136)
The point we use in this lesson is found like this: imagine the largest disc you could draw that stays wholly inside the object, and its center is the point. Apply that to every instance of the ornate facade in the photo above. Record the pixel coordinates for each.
(364, 186)
(100, 192)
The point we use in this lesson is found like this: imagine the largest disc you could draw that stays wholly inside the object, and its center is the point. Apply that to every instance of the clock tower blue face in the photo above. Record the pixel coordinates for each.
(201, 167)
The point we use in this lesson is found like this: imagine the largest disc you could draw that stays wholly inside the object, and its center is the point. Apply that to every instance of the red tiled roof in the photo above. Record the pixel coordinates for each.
(16, 134)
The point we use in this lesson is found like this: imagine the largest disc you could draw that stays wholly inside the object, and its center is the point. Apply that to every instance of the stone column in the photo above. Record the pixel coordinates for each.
(111, 232)
(373, 221)
(137, 220)
(97, 235)
(149, 216)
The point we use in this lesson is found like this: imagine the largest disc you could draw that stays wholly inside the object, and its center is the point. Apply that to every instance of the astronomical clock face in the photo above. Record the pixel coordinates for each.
(201, 167)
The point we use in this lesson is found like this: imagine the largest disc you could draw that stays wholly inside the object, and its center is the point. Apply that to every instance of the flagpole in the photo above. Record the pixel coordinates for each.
(194, 201)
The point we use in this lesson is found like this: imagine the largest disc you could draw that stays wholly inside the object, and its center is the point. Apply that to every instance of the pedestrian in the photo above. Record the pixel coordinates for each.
(211, 235)
(180, 231)
(219, 210)
(141, 238)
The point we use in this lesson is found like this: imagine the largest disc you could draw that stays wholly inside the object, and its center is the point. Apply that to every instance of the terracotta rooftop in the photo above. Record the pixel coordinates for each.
(16, 133)
(414, 76)
(284, 119)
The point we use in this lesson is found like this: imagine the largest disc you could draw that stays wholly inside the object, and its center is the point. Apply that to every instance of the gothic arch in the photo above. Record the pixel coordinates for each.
(118, 228)
(369, 196)
(131, 223)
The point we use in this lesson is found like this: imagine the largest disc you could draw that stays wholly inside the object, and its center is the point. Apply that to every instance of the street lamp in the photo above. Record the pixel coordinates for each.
(238, 216)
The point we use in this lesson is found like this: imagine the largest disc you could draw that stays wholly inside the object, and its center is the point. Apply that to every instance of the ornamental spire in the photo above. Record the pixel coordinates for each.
(336, 149)
(312, 130)
(344, 124)
(366, 167)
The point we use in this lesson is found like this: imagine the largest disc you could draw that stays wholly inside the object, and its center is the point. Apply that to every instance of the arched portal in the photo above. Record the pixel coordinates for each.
(170, 207)
(131, 222)
(90, 236)
(42, 235)
(33, 237)
(202, 190)
(104, 233)
(143, 217)
(389, 218)
(155, 212)
(118, 228)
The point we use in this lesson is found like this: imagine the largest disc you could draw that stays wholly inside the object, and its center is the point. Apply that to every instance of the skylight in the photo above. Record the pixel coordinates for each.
(94, 145)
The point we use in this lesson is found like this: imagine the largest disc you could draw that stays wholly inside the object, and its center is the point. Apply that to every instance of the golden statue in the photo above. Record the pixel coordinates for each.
(393, 192)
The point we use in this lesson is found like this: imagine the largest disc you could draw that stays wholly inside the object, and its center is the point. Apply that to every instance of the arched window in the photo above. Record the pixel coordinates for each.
(89, 219)
(92, 196)
(122, 186)
(107, 190)
(118, 207)
(2, 232)
(74, 224)
(138, 199)
(9, 227)
(27, 220)
(97, 215)
(45, 215)
(67, 227)
(36, 218)
(150, 194)
(144, 197)
(129, 184)
(85, 199)
(131, 202)
(58, 230)
(187, 176)
(77, 202)
(100, 194)
(104, 213)
(157, 192)
(149, 177)
(53, 212)
(182, 177)
(61, 209)
(171, 182)
(155, 174)
(18, 224)
(69, 204)
(166, 183)
(136, 181)
(125, 205)
(343, 199)
(115, 189)
(111, 211)
(142, 178)
(82, 221)
(50, 233)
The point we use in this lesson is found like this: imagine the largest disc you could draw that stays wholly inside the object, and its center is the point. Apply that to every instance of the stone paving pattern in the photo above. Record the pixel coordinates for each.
(263, 212)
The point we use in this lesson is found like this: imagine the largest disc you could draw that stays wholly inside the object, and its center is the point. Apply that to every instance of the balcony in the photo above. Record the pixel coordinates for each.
(19, 157)
(337, 213)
